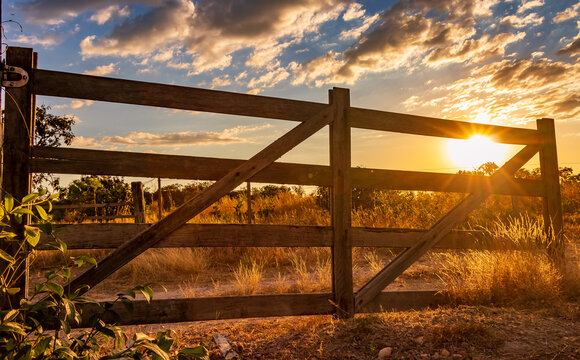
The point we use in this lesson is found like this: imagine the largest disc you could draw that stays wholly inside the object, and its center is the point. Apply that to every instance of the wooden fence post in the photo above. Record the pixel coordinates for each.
(138, 201)
(17, 142)
(552, 200)
(159, 198)
(340, 154)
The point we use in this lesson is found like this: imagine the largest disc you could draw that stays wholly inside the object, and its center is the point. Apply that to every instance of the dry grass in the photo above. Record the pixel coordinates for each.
(519, 273)
(248, 276)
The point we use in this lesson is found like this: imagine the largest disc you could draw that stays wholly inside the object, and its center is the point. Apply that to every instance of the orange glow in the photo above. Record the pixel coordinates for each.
(478, 149)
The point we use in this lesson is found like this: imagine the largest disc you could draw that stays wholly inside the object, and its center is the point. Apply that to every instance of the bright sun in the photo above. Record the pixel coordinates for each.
(478, 149)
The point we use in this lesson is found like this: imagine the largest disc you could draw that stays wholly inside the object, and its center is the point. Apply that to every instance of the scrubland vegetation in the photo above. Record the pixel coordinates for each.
(519, 272)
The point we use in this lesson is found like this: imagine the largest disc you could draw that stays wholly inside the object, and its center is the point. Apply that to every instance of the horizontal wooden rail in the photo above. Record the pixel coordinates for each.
(108, 236)
(76, 86)
(235, 307)
(118, 163)
(89, 206)
(110, 217)
(422, 125)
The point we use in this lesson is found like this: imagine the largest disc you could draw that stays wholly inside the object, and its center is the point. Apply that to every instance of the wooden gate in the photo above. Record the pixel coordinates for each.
(21, 159)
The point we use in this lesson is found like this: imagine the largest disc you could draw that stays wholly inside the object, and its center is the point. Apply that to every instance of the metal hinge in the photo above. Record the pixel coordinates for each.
(13, 76)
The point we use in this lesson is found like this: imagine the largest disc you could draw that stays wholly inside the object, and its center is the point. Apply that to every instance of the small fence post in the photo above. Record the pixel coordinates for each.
(138, 201)
(341, 195)
(18, 139)
(159, 199)
(552, 200)
(249, 200)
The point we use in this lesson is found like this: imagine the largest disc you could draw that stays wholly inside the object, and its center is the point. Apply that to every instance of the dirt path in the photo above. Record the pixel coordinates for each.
(464, 332)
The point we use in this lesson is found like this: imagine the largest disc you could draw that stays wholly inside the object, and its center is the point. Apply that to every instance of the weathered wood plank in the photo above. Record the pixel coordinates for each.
(158, 231)
(89, 206)
(406, 258)
(216, 308)
(110, 236)
(61, 84)
(116, 163)
(552, 201)
(76, 86)
(341, 191)
(422, 125)
(18, 137)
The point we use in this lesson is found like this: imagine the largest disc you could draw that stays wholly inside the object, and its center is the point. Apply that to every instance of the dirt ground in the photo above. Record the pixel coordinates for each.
(464, 332)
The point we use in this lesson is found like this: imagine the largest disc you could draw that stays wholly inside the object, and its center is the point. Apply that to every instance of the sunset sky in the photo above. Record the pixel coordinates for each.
(498, 62)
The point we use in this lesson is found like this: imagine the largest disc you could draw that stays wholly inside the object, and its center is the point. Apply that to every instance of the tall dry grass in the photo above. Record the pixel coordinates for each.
(518, 272)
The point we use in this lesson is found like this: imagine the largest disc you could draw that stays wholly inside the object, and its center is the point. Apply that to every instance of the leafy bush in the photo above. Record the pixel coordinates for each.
(41, 327)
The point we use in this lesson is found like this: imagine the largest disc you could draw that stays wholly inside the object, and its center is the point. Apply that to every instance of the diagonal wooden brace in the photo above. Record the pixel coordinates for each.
(406, 258)
(158, 231)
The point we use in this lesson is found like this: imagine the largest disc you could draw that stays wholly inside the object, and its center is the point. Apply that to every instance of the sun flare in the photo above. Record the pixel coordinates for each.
(476, 150)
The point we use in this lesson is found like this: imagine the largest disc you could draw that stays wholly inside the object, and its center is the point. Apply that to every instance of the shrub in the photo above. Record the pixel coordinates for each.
(23, 326)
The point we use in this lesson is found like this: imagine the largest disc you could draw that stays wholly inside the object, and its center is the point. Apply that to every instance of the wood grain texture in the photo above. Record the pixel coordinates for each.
(18, 137)
(341, 203)
(552, 201)
(158, 231)
(138, 201)
(406, 258)
(76, 86)
(110, 236)
(428, 126)
(215, 308)
(117, 163)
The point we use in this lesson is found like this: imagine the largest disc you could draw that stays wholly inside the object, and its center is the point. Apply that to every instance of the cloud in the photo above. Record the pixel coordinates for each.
(106, 14)
(521, 22)
(567, 14)
(75, 104)
(269, 79)
(353, 12)
(411, 30)
(51, 12)
(103, 70)
(509, 91)
(45, 41)
(354, 33)
(572, 48)
(185, 138)
(221, 81)
(530, 4)
(209, 32)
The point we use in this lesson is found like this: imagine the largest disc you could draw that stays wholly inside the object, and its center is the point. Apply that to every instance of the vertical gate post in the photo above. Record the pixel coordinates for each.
(552, 200)
(138, 201)
(341, 194)
(18, 139)
(159, 199)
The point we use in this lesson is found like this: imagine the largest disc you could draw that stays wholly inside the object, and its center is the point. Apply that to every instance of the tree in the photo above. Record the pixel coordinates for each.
(51, 130)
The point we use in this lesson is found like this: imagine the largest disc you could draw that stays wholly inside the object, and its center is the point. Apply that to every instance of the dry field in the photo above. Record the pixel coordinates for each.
(511, 304)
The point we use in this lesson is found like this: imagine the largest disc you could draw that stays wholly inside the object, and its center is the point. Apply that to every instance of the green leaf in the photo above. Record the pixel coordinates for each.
(199, 352)
(42, 346)
(8, 202)
(10, 315)
(13, 290)
(22, 211)
(80, 260)
(32, 235)
(7, 234)
(29, 198)
(6, 257)
(41, 212)
(155, 350)
(55, 288)
(53, 196)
